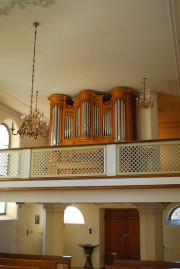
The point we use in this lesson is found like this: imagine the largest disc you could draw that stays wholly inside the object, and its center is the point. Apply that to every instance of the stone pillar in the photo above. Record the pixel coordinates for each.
(147, 120)
(151, 231)
(53, 229)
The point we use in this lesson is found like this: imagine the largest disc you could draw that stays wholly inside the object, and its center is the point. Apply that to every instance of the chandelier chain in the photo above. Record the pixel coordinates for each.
(32, 124)
(33, 67)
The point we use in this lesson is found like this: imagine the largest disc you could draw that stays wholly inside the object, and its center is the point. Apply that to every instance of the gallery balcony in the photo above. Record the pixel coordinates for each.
(150, 163)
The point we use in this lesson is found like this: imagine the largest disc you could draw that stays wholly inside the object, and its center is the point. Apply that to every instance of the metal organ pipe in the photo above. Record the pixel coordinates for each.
(123, 131)
(78, 122)
(104, 113)
(107, 123)
(58, 136)
(88, 118)
(119, 120)
(68, 128)
(96, 121)
(53, 139)
(56, 126)
(85, 118)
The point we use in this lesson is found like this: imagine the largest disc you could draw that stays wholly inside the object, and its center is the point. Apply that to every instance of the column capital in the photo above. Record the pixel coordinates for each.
(54, 208)
(151, 208)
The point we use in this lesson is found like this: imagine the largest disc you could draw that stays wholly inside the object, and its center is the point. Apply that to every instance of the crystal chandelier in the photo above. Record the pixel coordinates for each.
(22, 4)
(142, 101)
(32, 124)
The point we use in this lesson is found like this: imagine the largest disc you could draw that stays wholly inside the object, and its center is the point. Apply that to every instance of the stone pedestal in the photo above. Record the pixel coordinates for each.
(88, 250)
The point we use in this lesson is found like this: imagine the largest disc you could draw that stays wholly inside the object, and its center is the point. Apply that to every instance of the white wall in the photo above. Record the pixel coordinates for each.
(7, 116)
(13, 236)
(75, 234)
(171, 236)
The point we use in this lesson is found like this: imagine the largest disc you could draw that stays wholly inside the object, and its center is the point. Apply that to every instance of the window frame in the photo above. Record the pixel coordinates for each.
(171, 221)
(3, 213)
(5, 146)
(8, 131)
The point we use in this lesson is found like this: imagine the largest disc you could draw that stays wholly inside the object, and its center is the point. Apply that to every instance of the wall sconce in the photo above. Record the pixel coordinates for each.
(90, 228)
(28, 229)
(29, 232)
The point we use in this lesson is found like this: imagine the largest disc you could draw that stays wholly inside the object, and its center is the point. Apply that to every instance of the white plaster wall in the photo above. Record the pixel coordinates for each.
(75, 234)
(31, 243)
(13, 236)
(31, 142)
(7, 116)
(171, 236)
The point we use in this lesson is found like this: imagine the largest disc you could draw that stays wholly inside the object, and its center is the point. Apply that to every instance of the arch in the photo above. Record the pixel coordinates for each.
(175, 214)
(4, 136)
(14, 139)
(72, 215)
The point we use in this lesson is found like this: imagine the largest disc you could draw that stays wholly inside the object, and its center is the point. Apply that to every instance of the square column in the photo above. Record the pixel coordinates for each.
(151, 232)
(53, 229)
(147, 120)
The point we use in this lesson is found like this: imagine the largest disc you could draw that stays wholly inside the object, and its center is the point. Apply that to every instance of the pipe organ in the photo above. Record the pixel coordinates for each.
(91, 117)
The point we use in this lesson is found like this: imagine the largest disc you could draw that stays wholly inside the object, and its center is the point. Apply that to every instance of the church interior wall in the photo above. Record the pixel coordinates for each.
(13, 233)
(14, 237)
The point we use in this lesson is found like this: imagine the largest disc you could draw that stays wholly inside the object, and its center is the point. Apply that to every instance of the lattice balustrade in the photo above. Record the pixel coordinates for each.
(149, 158)
(80, 161)
(10, 164)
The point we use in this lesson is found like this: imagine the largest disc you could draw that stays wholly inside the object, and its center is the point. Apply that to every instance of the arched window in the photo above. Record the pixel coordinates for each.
(73, 215)
(175, 214)
(4, 137)
(2, 208)
(4, 144)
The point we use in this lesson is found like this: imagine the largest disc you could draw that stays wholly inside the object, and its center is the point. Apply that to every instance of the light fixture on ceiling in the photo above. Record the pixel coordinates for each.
(143, 102)
(32, 124)
(22, 4)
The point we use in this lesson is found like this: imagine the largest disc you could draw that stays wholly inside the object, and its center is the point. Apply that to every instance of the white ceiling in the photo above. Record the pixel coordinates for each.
(88, 44)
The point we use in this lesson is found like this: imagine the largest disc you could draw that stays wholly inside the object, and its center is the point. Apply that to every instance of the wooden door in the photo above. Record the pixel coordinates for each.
(122, 233)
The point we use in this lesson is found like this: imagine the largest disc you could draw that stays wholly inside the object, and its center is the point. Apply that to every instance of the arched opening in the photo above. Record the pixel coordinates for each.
(73, 215)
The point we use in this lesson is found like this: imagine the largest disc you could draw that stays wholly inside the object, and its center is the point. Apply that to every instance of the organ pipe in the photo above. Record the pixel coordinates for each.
(108, 115)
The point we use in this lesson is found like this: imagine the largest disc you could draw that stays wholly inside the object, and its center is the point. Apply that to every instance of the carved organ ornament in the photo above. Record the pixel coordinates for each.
(91, 117)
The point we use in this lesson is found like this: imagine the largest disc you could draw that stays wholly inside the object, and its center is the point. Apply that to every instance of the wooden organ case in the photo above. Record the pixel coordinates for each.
(91, 117)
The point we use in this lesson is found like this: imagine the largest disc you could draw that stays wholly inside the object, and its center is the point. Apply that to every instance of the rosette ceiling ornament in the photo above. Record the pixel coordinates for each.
(6, 6)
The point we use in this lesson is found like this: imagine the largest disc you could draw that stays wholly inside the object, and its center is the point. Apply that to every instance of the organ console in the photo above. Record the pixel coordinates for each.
(92, 117)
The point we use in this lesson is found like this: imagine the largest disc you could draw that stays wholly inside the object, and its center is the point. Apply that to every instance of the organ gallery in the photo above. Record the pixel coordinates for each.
(92, 117)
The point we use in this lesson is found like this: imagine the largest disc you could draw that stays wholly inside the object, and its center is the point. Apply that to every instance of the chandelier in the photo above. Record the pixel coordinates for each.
(143, 102)
(22, 4)
(32, 124)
